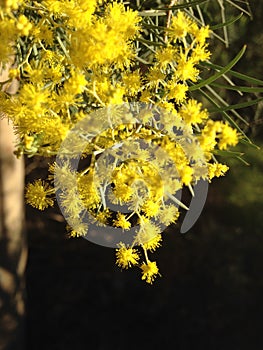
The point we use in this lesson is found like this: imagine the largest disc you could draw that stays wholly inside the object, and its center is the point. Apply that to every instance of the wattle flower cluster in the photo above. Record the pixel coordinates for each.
(76, 58)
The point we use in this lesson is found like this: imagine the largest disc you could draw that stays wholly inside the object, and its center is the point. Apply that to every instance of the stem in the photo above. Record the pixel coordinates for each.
(169, 17)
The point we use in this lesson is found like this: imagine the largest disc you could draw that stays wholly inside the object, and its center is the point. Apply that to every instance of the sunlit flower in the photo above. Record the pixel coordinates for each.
(38, 194)
(149, 271)
(126, 257)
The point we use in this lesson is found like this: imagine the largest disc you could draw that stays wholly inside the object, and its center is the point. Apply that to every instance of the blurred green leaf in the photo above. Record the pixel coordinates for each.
(227, 23)
(236, 106)
(220, 73)
(238, 75)
(238, 88)
(184, 5)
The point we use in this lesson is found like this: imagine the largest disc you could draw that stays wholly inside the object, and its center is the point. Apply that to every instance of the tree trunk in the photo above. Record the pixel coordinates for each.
(13, 252)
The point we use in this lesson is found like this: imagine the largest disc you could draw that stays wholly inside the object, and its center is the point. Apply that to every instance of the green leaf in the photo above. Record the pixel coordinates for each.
(236, 106)
(227, 116)
(232, 154)
(227, 153)
(249, 143)
(222, 71)
(243, 161)
(235, 74)
(223, 103)
(238, 88)
(184, 5)
(227, 23)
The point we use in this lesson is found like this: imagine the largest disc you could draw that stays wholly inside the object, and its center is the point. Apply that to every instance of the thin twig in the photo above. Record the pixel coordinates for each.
(169, 17)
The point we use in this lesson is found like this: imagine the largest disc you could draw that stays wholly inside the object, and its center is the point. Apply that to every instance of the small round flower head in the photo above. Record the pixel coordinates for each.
(122, 222)
(148, 232)
(23, 25)
(153, 243)
(102, 217)
(9, 5)
(165, 56)
(177, 91)
(77, 228)
(180, 26)
(228, 137)
(169, 214)
(186, 68)
(149, 271)
(37, 195)
(126, 257)
(216, 170)
(151, 208)
(192, 112)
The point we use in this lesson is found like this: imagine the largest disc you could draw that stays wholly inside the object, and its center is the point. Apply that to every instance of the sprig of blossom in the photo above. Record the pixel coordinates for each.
(75, 57)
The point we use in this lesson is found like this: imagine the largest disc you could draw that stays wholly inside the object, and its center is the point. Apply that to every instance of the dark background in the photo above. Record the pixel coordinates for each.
(210, 292)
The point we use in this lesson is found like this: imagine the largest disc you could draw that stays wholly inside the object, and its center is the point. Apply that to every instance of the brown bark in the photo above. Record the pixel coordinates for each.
(13, 252)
